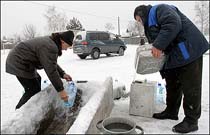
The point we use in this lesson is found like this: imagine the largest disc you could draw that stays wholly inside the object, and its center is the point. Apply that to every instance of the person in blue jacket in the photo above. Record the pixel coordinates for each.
(172, 33)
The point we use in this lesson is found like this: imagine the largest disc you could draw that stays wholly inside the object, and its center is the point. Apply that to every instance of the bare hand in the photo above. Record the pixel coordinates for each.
(63, 95)
(156, 52)
(67, 77)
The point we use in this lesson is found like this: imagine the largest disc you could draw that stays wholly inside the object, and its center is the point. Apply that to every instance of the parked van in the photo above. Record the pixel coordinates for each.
(95, 43)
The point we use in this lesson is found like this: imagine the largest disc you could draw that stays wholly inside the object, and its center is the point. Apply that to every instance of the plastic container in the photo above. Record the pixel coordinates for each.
(145, 63)
(45, 84)
(161, 94)
(71, 90)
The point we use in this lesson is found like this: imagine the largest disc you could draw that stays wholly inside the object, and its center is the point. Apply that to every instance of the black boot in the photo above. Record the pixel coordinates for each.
(165, 115)
(185, 127)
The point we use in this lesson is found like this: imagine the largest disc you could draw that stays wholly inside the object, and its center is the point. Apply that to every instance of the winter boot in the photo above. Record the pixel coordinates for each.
(165, 115)
(185, 127)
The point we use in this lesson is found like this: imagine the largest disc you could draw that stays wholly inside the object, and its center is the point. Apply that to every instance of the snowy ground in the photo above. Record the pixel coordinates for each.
(121, 68)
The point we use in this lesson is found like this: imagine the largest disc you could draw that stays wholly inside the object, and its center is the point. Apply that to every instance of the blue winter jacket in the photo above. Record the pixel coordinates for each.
(171, 31)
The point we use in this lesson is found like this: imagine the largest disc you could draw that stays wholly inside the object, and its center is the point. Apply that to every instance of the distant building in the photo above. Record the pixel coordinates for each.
(5, 44)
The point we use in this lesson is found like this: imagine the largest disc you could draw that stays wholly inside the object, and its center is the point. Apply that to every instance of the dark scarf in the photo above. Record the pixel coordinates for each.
(56, 38)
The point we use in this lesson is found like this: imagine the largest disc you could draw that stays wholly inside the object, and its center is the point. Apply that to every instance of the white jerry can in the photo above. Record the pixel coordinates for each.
(145, 63)
(142, 98)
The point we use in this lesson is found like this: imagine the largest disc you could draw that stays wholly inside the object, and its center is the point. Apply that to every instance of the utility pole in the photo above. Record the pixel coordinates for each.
(118, 25)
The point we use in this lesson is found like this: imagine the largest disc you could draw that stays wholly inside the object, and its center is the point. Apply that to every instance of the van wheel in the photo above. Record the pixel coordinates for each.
(81, 56)
(95, 54)
(108, 54)
(121, 51)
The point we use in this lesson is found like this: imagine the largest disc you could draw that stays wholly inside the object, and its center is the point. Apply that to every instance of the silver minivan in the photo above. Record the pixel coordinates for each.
(95, 43)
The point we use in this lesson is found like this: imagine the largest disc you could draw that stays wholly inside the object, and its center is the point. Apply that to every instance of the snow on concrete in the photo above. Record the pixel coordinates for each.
(26, 120)
(47, 105)
(87, 113)
(120, 68)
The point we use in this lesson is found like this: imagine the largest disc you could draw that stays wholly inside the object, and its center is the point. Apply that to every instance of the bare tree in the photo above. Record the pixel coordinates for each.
(4, 38)
(134, 28)
(202, 16)
(109, 26)
(17, 38)
(29, 31)
(56, 21)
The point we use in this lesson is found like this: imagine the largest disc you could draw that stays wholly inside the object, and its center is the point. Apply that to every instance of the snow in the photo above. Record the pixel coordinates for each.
(207, 38)
(26, 120)
(120, 68)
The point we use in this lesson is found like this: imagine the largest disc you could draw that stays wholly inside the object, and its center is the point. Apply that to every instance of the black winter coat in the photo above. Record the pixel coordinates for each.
(38, 53)
(172, 32)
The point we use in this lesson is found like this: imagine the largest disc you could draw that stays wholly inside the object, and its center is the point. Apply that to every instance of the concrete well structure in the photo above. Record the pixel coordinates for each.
(44, 108)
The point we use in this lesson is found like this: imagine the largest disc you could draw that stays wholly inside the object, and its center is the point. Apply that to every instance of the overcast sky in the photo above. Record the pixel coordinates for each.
(92, 14)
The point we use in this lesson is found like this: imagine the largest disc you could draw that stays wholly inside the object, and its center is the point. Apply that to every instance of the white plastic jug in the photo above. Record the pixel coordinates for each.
(71, 91)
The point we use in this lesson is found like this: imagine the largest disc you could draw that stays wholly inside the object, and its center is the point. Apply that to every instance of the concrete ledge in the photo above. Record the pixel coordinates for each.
(27, 119)
(97, 108)
(39, 112)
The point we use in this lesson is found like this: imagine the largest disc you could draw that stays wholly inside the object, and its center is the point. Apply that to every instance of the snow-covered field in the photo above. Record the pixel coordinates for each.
(121, 68)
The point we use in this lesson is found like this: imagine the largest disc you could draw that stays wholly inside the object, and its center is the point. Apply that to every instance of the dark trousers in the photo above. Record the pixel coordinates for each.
(186, 81)
(31, 86)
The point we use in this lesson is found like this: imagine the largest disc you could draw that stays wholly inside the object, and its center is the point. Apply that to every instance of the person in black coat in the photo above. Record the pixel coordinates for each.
(173, 34)
(31, 55)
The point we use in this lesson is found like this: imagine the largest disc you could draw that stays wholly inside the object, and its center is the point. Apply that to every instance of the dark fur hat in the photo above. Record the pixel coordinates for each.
(67, 36)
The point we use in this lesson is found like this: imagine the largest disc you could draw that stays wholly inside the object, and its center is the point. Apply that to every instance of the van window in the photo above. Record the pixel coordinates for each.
(112, 36)
(93, 36)
(103, 36)
(78, 37)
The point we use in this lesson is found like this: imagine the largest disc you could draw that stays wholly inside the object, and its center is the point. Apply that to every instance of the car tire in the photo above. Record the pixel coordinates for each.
(95, 54)
(82, 56)
(121, 51)
(108, 54)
